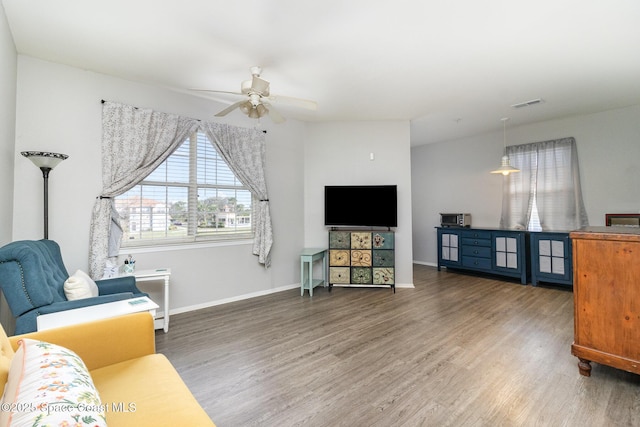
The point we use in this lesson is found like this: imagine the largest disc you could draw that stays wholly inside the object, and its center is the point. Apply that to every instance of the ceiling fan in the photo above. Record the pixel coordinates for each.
(259, 99)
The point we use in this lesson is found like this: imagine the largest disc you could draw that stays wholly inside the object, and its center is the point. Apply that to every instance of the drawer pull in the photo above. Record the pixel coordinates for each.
(475, 252)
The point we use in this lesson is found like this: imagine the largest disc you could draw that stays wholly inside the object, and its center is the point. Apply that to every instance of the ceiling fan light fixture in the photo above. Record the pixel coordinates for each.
(253, 114)
(246, 107)
(262, 110)
(258, 99)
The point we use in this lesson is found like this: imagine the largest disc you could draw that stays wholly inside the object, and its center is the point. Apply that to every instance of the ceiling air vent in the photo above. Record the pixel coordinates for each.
(528, 103)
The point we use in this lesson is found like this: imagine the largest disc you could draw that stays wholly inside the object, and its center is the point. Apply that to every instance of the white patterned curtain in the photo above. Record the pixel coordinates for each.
(244, 151)
(135, 141)
(549, 177)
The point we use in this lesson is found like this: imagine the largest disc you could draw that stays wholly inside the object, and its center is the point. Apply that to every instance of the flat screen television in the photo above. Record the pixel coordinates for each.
(361, 205)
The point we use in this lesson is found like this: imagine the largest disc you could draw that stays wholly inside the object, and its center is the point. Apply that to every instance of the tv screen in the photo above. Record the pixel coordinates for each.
(361, 205)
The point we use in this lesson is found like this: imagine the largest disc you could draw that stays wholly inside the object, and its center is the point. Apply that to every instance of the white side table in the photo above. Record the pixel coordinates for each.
(157, 275)
(95, 312)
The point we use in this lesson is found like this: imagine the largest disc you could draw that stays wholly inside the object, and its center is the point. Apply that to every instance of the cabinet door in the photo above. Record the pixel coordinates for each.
(506, 252)
(510, 254)
(551, 258)
(449, 248)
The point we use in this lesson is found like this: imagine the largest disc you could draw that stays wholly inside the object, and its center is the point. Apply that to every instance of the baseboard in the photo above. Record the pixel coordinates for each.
(430, 264)
(254, 295)
(233, 299)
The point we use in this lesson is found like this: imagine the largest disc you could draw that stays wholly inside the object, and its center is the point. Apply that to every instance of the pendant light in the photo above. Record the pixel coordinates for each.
(505, 166)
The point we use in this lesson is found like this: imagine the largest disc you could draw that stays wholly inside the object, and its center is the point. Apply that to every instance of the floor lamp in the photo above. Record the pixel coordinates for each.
(46, 162)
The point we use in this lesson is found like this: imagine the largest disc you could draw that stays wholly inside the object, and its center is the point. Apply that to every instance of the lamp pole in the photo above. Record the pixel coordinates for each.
(46, 162)
(45, 176)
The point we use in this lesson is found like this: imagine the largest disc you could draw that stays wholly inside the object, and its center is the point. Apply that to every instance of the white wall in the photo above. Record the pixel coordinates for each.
(338, 153)
(59, 109)
(8, 58)
(454, 176)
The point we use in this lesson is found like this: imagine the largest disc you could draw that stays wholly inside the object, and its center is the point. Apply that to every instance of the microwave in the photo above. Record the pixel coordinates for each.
(455, 220)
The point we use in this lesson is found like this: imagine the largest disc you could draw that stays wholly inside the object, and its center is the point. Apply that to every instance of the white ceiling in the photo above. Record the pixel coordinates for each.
(453, 68)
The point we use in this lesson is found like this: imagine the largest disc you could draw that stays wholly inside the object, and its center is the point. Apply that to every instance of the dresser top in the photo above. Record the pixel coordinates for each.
(503, 229)
(607, 233)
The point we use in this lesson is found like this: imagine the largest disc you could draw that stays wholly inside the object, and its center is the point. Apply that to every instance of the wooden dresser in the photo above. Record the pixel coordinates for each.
(606, 289)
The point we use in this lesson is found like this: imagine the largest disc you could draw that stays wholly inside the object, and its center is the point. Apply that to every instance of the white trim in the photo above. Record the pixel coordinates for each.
(430, 264)
(183, 246)
(263, 293)
(233, 299)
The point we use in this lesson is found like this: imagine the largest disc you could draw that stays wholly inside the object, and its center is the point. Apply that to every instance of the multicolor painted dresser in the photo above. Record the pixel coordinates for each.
(361, 258)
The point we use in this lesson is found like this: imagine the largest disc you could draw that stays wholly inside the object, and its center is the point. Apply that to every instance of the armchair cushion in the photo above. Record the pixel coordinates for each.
(80, 286)
(118, 285)
(50, 385)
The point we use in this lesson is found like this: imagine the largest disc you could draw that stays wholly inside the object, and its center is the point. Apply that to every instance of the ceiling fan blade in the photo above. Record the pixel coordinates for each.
(275, 115)
(230, 108)
(260, 86)
(297, 102)
(217, 91)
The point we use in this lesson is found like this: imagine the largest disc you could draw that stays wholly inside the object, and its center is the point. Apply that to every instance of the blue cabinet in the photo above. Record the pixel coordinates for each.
(551, 259)
(493, 251)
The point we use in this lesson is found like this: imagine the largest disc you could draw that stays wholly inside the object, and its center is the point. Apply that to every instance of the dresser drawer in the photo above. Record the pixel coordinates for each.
(476, 251)
(339, 257)
(383, 240)
(383, 258)
(339, 275)
(339, 240)
(476, 234)
(468, 241)
(383, 276)
(360, 258)
(361, 276)
(474, 262)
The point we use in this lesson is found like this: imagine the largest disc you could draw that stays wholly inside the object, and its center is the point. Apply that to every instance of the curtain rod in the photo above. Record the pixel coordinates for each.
(102, 101)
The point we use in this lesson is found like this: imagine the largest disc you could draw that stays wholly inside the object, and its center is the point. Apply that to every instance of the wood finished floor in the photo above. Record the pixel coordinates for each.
(457, 350)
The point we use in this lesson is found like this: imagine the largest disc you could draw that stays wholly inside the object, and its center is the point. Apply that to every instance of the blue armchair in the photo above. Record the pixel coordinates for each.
(32, 277)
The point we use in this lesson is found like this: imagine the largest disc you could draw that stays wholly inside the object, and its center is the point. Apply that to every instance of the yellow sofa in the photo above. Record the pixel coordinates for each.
(136, 386)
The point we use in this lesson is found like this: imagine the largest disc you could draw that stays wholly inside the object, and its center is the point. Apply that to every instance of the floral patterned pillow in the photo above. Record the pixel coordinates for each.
(49, 385)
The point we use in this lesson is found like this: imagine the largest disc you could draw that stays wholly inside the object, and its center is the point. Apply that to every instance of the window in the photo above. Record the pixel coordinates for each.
(545, 194)
(192, 196)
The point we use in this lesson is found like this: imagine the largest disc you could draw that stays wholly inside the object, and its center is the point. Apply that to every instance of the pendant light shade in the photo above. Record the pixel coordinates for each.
(505, 165)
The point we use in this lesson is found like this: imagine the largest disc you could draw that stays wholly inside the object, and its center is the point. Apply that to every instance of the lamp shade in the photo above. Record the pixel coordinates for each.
(505, 167)
(44, 159)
